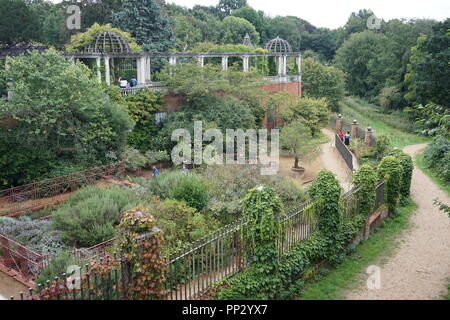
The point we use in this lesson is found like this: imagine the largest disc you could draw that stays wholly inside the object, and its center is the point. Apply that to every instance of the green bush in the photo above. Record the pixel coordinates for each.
(192, 190)
(180, 223)
(437, 156)
(90, 215)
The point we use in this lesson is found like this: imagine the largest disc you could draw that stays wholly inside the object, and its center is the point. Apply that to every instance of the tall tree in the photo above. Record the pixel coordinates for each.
(428, 71)
(360, 58)
(18, 22)
(227, 6)
(146, 22)
(321, 81)
(234, 30)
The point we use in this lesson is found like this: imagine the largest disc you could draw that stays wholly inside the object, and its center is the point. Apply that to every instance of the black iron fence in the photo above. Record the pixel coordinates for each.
(344, 152)
(194, 269)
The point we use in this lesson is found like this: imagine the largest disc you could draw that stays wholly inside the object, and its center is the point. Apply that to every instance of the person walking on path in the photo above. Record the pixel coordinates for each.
(155, 171)
(347, 138)
(341, 135)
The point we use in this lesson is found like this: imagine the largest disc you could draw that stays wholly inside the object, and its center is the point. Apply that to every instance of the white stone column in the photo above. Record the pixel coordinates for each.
(225, 63)
(148, 70)
(8, 84)
(245, 60)
(282, 66)
(172, 63)
(140, 70)
(107, 71)
(201, 61)
(299, 64)
(99, 71)
(172, 60)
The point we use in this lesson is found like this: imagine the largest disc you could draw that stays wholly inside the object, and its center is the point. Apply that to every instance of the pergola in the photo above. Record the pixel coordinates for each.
(108, 46)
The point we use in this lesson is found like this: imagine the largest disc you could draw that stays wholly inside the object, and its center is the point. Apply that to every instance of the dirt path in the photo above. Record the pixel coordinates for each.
(331, 160)
(420, 268)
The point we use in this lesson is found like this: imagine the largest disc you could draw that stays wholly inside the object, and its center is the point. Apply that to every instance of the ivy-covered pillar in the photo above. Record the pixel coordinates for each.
(144, 266)
(263, 210)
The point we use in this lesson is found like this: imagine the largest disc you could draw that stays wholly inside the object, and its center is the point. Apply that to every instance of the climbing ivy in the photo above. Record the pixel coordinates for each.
(140, 242)
(327, 193)
(263, 209)
(408, 168)
(390, 170)
(365, 179)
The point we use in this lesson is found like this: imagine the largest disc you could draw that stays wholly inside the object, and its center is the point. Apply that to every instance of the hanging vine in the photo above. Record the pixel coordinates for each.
(408, 167)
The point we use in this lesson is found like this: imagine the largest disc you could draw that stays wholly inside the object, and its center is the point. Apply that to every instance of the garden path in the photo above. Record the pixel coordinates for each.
(331, 160)
(420, 267)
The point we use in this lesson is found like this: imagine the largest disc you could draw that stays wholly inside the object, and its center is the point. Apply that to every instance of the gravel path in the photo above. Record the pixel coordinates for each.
(420, 268)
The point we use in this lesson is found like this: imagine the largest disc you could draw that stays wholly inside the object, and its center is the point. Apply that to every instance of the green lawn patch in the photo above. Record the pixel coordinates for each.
(396, 126)
(422, 164)
(381, 244)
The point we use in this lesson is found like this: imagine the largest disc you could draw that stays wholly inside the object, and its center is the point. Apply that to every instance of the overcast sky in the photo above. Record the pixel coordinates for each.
(333, 14)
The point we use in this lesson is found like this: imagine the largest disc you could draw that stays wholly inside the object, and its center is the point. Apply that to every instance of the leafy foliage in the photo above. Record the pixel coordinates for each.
(89, 217)
(312, 112)
(298, 139)
(365, 179)
(322, 81)
(145, 21)
(390, 170)
(80, 40)
(63, 116)
(437, 156)
(407, 172)
(140, 242)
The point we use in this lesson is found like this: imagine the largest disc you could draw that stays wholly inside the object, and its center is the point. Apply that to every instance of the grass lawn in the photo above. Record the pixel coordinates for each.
(422, 164)
(395, 125)
(381, 244)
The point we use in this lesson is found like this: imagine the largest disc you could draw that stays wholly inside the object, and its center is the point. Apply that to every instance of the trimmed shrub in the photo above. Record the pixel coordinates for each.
(90, 215)
(192, 190)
